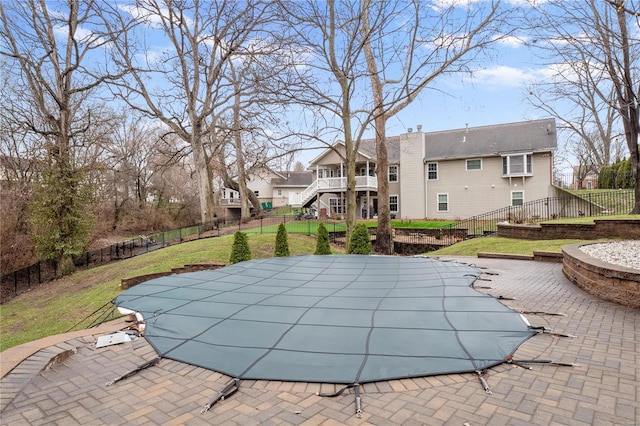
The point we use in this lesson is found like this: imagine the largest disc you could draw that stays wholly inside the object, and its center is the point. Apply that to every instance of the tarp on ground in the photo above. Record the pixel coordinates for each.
(329, 319)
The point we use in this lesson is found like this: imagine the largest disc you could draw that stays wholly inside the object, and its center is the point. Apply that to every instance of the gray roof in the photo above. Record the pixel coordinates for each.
(534, 136)
(497, 139)
(368, 148)
(293, 179)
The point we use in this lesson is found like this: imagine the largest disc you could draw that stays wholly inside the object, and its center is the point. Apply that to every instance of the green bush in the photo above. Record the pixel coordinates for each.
(322, 243)
(240, 250)
(282, 242)
(360, 242)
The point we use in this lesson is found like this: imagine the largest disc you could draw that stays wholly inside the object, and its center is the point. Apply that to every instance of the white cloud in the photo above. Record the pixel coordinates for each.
(511, 41)
(154, 18)
(505, 76)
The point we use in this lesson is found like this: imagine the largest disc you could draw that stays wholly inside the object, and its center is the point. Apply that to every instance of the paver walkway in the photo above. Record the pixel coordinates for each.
(603, 389)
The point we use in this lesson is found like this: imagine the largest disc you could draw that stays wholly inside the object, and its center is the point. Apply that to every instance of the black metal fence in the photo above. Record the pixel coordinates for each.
(19, 281)
(405, 241)
(590, 204)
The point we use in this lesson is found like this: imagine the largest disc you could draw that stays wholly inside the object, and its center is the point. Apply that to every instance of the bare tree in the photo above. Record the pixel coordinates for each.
(589, 117)
(331, 79)
(258, 80)
(184, 85)
(52, 55)
(595, 36)
(407, 46)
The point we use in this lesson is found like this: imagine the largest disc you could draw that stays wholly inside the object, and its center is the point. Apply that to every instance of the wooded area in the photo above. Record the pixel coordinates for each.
(124, 117)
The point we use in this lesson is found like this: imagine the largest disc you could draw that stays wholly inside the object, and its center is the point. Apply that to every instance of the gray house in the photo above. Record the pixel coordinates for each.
(442, 175)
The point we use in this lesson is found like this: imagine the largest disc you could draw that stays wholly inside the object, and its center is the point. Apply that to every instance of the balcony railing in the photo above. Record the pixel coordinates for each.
(333, 184)
(230, 201)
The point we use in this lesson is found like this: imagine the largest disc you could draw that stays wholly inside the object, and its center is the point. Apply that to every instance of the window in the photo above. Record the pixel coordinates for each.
(393, 203)
(257, 193)
(443, 202)
(432, 171)
(517, 165)
(336, 205)
(475, 164)
(393, 173)
(279, 192)
(325, 173)
(517, 198)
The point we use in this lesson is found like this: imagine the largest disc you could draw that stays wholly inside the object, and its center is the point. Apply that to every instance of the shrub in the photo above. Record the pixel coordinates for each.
(360, 242)
(282, 242)
(240, 249)
(322, 243)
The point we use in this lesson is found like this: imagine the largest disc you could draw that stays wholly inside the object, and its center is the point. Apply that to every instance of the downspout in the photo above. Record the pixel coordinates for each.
(425, 171)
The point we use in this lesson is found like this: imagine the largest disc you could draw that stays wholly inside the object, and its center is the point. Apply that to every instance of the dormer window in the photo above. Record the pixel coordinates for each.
(517, 165)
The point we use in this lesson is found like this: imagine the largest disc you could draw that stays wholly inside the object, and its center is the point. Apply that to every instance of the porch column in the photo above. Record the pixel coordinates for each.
(368, 203)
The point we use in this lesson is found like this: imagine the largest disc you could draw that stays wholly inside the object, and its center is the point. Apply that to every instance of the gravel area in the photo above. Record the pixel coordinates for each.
(623, 253)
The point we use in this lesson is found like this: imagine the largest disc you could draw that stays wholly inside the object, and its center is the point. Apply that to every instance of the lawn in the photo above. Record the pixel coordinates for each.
(617, 201)
(501, 245)
(592, 218)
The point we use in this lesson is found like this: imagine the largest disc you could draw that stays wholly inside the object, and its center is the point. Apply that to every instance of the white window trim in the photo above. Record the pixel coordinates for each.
(466, 164)
(437, 170)
(513, 192)
(524, 156)
(397, 173)
(397, 203)
(338, 204)
(438, 202)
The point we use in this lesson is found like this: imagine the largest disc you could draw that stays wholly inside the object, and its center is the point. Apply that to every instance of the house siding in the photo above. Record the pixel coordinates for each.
(479, 191)
(412, 177)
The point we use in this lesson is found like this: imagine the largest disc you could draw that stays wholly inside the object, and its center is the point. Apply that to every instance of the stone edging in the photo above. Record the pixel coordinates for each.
(126, 283)
(605, 280)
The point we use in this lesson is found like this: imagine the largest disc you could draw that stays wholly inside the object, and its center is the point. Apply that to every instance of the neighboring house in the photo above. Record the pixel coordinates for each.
(584, 177)
(272, 188)
(442, 175)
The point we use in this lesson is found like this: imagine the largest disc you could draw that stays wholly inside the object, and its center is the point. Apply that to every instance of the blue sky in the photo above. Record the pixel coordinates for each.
(495, 91)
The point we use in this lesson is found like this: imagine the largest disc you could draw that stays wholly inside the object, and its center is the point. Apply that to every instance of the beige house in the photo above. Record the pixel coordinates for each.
(441, 175)
(273, 189)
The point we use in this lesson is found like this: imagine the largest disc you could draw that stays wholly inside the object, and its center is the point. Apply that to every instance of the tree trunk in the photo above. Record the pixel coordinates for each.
(383, 234)
(203, 174)
(237, 141)
(627, 100)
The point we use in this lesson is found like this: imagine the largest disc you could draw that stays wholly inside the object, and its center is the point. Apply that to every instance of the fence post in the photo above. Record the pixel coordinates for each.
(590, 214)
(261, 219)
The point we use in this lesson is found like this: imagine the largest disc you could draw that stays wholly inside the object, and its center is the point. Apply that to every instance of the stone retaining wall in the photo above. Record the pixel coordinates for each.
(126, 283)
(604, 280)
(628, 229)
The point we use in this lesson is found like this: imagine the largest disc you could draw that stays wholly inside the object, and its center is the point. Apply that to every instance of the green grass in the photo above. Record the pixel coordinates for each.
(618, 201)
(303, 227)
(590, 219)
(56, 307)
(501, 245)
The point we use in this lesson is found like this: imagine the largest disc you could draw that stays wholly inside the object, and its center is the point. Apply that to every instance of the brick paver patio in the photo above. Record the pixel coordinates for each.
(603, 388)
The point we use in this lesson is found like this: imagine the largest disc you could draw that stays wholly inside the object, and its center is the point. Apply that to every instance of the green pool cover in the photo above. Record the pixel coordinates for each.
(330, 319)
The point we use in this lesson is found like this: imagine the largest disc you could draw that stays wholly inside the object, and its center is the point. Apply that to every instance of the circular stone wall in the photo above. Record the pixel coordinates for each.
(605, 280)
